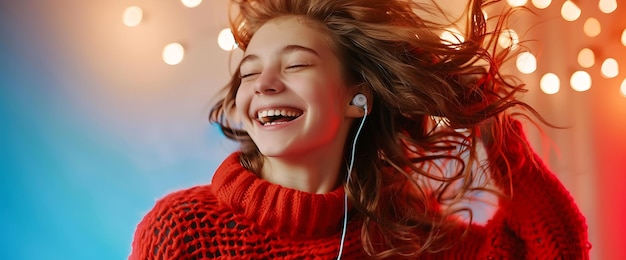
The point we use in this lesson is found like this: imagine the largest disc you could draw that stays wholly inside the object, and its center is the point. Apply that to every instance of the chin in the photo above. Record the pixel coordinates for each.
(272, 147)
(277, 152)
(272, 152)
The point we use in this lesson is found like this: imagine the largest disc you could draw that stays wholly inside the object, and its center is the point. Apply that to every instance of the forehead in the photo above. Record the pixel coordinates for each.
(289, 30)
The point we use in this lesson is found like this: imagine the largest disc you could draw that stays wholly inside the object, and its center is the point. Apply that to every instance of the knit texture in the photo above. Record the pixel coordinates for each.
(240, 216)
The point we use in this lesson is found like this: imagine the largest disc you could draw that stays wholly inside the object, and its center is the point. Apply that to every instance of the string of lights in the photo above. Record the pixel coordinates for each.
(526, 61)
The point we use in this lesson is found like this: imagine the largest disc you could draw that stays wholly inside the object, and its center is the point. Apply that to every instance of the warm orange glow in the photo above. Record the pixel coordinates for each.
(226, 40)
(508, 39)
(515, 3)
(542, 4)
(526, 62)
(592, 27)
(550, 83)
(191, 3)
(132, 16)
(586, 58)
(580, 81)
(570, 11)
(623, 88)
(624, 37)
(610, 68)
(607, 6)
(173, 53)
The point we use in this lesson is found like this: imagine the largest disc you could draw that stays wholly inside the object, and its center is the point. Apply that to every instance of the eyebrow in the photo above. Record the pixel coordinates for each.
(285, 50)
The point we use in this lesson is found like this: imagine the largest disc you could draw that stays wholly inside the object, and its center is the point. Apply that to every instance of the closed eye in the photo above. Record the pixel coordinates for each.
(291, 67)
(298, 66)
(247, 75)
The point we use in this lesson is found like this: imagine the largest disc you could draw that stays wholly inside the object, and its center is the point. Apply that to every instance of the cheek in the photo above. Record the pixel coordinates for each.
(332, 95)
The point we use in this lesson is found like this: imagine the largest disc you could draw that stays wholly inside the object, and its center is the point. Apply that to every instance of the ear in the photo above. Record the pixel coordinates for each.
(355, 111)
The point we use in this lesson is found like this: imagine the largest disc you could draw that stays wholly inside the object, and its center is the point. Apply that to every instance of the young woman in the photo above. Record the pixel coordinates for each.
(340, 157)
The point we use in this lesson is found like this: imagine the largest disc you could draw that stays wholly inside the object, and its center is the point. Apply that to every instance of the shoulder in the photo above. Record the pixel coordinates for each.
(189, 196)
(170, 217)
(181, 203)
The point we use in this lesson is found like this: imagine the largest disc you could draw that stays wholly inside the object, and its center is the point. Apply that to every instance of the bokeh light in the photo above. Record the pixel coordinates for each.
(586, 58)
(542, 4)
(610, 68)
(592, 27)
(191, 3)
(623, 88)
(516, 3)
(624, 37)
(452, 36)
(580, 81)
(550, 83)
(508, 39)
(526, 62)
(132, 16)
(226, 40)
(607, 6)
(173, 53)
(570, 11)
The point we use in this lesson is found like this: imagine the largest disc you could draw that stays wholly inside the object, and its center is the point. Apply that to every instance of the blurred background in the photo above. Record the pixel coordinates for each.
(100, 115)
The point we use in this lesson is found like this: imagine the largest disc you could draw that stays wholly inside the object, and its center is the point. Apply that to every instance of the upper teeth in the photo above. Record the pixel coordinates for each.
(266, 116)
(278, 112)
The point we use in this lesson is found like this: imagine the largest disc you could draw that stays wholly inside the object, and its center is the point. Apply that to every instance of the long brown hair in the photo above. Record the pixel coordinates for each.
(391, 48)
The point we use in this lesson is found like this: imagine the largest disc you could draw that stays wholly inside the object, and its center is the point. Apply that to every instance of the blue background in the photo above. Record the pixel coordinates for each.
(73, 184)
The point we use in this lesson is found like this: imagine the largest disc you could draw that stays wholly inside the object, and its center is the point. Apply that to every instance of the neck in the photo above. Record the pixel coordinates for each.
(297, 214)
(312, 173)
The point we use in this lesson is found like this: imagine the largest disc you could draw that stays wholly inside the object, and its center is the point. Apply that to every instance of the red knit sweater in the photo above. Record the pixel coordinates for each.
(243, 217)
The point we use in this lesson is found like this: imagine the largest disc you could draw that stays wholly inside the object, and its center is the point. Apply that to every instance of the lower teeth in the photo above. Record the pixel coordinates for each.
(274, 123)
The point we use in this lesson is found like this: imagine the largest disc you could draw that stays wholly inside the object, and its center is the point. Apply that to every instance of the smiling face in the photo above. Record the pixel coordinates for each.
(293, 99)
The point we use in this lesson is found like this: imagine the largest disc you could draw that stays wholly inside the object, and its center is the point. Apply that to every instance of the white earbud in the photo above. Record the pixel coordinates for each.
(359, 100)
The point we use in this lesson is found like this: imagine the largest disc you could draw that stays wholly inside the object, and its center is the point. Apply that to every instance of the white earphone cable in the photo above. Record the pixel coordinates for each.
(345, 198)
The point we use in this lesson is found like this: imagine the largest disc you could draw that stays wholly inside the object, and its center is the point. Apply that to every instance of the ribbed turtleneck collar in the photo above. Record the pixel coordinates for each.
(284, 210)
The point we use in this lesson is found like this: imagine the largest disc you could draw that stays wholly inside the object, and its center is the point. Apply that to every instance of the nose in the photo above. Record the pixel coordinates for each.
(268, 83)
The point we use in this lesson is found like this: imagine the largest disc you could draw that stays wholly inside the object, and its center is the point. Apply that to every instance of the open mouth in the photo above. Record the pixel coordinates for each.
(277, 116)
